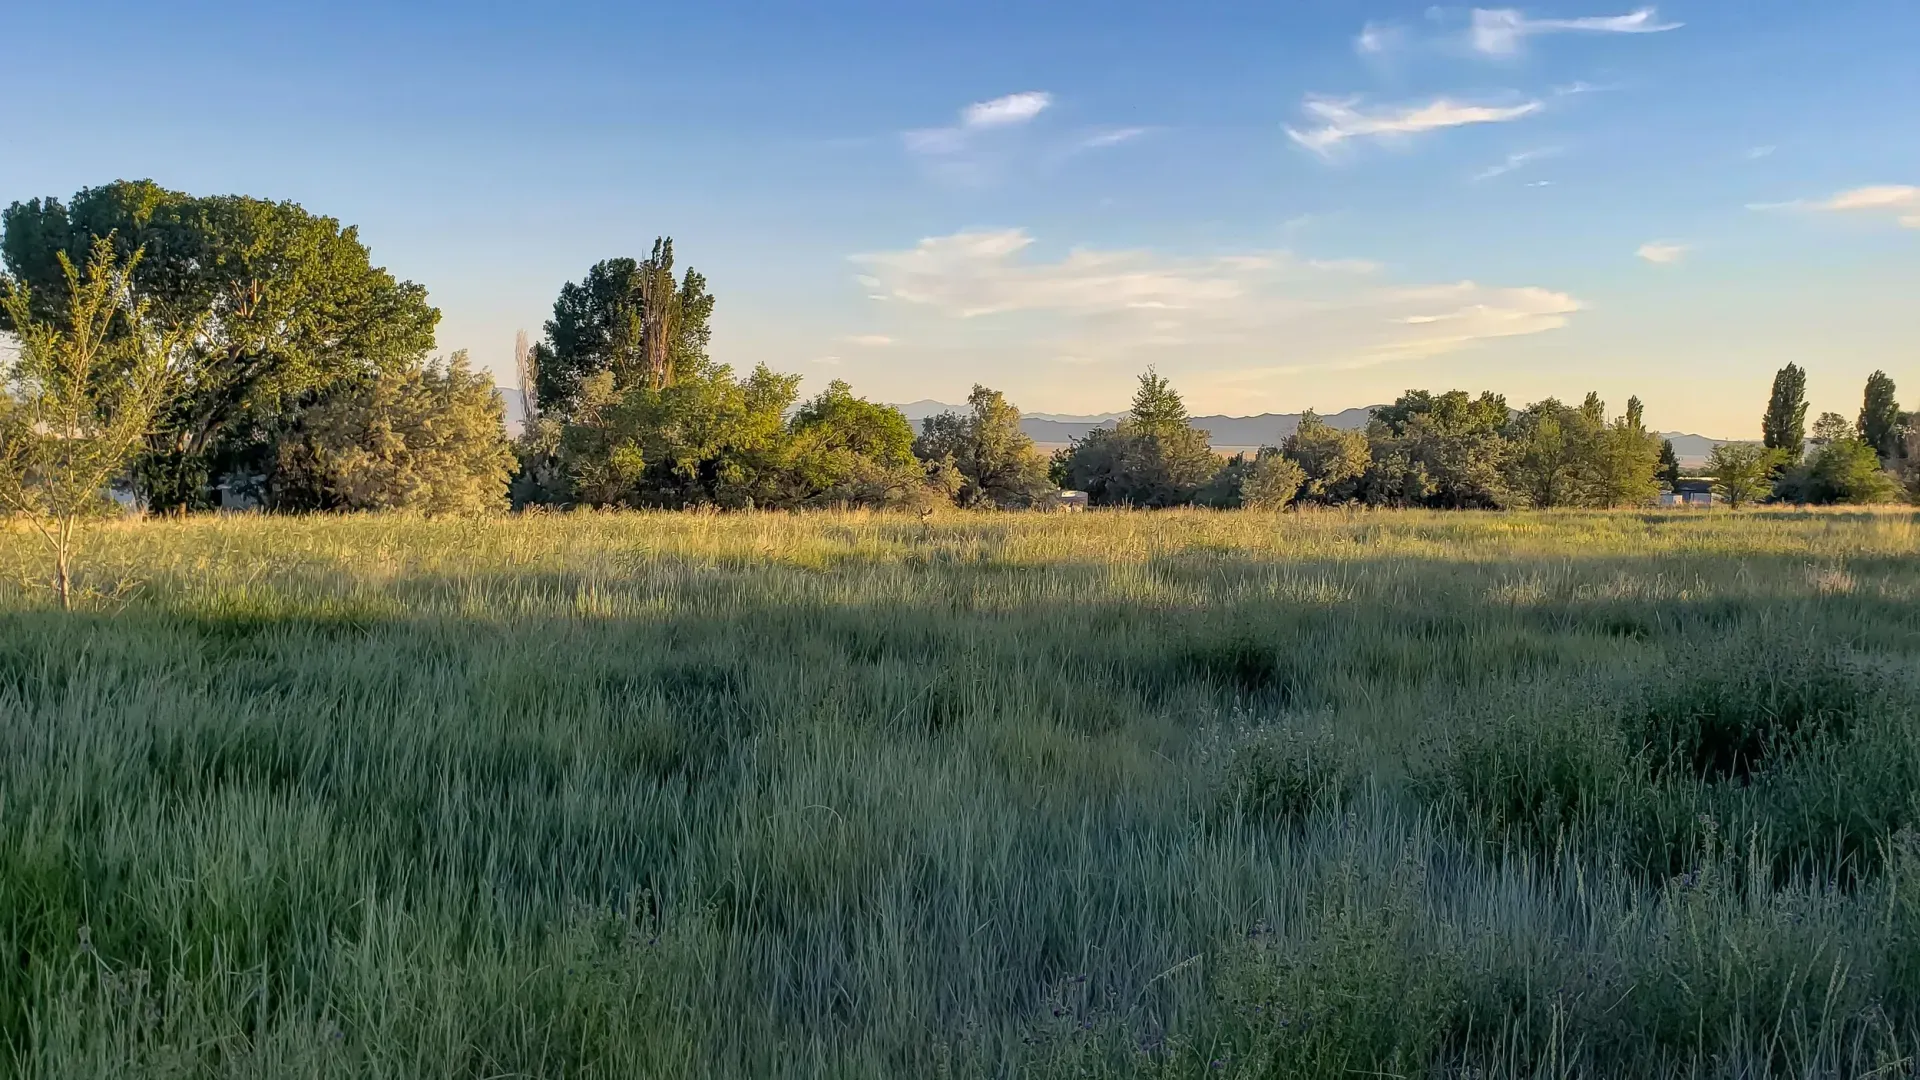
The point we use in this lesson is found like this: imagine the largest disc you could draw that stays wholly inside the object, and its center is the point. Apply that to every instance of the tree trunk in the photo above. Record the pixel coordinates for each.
(63, 565)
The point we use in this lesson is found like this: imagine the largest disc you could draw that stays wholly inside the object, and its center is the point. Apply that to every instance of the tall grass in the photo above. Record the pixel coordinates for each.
(1116, 794)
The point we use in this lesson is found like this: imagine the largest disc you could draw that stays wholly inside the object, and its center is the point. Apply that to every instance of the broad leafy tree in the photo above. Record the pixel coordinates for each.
(1743, 472)
(287, 304)
(628, 318)
(1624, 466)
(1447, 451)
(1843, 470)
(1552, 447)
(1333, 461)
(989, 461)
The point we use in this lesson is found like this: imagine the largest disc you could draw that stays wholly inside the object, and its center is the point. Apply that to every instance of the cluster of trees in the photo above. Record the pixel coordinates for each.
(1874, 458)
(1448, 450)
(195, 351)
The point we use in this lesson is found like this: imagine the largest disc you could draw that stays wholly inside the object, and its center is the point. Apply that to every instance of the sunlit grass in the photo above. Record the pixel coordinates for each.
(1182, 793)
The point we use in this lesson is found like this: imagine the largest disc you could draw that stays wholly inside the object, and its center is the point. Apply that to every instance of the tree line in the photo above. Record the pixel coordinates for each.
(200, 351)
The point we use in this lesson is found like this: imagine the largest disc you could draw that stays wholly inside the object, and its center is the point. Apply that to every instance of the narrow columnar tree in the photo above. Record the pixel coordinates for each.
(1880, 416)
(1784, 425)
(85, 388)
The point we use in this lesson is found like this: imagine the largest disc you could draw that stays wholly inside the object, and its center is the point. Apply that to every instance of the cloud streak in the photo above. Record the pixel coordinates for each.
(1662, 252)
(1899, 201)
(1115, 137)
(1342, 120)
(1008, 111)
(1504, 31)
(1514, 161)
(1142, 306)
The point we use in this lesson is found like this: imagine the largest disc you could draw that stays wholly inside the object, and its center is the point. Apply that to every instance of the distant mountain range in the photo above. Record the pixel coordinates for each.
(1227, 433)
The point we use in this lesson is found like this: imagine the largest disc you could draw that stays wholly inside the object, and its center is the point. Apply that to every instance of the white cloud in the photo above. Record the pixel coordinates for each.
(826, 360)
(1900, 201)
(871, 341)
(1579, 86)
(1090, 306)
(1342, 120)
(1504, 31)
(1001, 111)
(981, 115)
(1758, 152)
(1113, 137)
(1663, 252)
(1514, 161)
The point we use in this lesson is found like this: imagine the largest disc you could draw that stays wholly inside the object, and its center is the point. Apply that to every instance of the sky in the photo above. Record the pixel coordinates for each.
(1278, 205)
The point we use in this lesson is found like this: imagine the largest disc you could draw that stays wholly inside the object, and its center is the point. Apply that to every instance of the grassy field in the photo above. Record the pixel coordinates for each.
(1116, 794)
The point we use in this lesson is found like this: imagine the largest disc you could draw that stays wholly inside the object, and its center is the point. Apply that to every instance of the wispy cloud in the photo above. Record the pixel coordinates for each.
(871, 341)
(828, 360)
(1377, 39)
(1091, 306)
(1007, 111)
(1663, 252)
(1581, 86)
(1755, 153)
(1504, 31)
(1515, 161)
(1112, 137)
(1899, 201)
(1344, 119)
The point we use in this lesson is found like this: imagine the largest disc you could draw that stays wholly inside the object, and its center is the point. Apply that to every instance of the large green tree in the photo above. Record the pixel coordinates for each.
(1844, 470)
(1743, 472)
(1552, 448)
(1784, 425)
(626, 317)
(289, 306)
(1332, 460)
(1152, 458)
(1880, 416)
(1624, 465)
(1446, 451)
(993, 462)
(846, 450)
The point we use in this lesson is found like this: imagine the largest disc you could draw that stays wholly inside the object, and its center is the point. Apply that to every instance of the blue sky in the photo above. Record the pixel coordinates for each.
(1280, 205)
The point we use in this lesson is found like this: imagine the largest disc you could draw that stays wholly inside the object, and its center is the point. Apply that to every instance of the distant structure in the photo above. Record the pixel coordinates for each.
(1690, 494)
(1070, 501)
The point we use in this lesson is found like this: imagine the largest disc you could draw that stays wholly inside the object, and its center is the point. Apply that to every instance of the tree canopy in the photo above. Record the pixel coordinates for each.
(287, 304)
(628, 318)
(1784, 425)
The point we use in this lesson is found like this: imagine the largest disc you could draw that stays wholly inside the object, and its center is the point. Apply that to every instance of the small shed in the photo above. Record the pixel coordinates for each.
(1071, 501)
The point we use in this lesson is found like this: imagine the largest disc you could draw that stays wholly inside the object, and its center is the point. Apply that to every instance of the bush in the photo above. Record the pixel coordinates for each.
(429, 438)
(1844, 471)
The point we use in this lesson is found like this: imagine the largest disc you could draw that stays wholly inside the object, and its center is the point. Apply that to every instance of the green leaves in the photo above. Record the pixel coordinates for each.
(286, 303)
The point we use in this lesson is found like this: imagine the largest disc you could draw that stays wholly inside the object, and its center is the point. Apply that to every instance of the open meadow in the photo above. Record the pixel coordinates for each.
(1190, 793)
